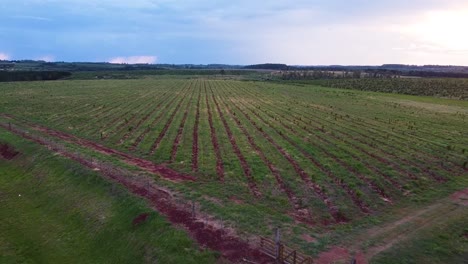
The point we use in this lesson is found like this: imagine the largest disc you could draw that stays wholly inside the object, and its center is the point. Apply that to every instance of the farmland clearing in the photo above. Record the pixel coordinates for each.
(332, 168)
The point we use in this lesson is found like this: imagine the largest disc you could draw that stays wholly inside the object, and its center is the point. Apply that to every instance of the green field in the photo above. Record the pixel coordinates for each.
(55, 211)
(325, 162)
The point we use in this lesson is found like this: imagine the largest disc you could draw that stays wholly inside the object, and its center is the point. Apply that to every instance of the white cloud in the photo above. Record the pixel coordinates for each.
(134, 60)
(4, 56)
(442, 28)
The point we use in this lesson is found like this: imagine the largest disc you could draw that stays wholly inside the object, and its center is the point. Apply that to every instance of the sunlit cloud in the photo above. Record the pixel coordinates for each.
(240, 32)
(4, 56)
(134, 60)
(443, 29)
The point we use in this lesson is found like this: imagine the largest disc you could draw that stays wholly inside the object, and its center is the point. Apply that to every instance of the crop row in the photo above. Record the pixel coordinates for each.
(318, 154)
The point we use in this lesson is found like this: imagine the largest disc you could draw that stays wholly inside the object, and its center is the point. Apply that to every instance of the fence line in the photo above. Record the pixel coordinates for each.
(283, 254)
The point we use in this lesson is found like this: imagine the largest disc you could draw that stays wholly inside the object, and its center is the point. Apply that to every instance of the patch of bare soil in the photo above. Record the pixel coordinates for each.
(308, 238)
(140, 219)
(7, 152)
(149, 166)
(207, 234)
(460, 197)
(334, 255)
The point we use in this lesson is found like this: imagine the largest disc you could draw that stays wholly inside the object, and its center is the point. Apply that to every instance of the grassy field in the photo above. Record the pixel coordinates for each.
(54, 210)
(319, 161)
(455, 88)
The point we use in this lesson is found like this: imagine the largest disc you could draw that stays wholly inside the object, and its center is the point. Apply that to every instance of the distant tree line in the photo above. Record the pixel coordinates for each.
(17, 76)
(455, 88)
(356, 74)
(268, 66)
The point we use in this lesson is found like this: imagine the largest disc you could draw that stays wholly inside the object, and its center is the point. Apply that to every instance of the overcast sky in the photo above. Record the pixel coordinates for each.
(236, 32)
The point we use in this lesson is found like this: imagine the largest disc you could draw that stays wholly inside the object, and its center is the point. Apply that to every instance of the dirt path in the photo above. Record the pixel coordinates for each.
(384, 237)
(164, 172)
(206, 231)
(214, 139)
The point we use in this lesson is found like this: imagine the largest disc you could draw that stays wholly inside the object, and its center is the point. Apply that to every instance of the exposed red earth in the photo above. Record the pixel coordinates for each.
(307, 122)
(214, 139)
(176, 143)
(302, 214)
(127, 121)
(337, 216)
(323, 139)
(339, 255)
(339, 182)
(163, 171)
(373, 126)
(350, 169)
(141, 218)
(150, 126)
(141, 121)
(207, 235)
(158, 140)
(195, 135)
(245, 166)
(128, 108)
(7, 152)
(460, 197)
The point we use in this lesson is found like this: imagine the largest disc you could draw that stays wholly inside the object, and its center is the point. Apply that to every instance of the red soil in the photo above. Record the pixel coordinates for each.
(322, 139)
(245, 166)
(175, 146)
(140, 219)
(361, 204)
(339, 255)
(434, 175)
(381, 159)
(195, 135)
(460, 197)
(111, 123)
(214, 140)
(359, 122)
(369, 182)
(142, 120)
(412, 176)
(7, 152)
(392, 181)
(146, 165)
(125, 124)
(301, 214)
(231, 247)
(163, 132)
(148, 128)
(337, 216)
(308, 238)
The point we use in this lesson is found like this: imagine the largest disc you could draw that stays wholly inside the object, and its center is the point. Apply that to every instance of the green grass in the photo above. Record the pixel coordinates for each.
(442, 243)
(436, 87)
(381, 136)
(55, 211)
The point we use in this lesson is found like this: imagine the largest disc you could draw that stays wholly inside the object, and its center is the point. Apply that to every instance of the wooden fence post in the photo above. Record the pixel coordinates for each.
(278, 245)
(193, 209)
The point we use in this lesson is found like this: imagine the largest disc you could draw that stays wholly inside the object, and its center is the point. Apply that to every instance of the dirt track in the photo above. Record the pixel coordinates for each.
(205, 232)
(207, 235)
(143, 164)
(385, 236)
